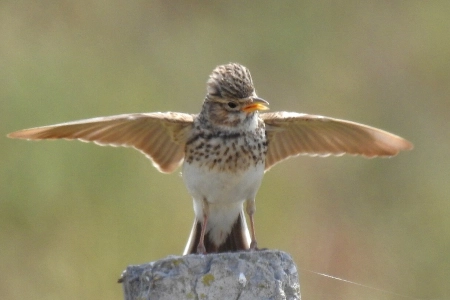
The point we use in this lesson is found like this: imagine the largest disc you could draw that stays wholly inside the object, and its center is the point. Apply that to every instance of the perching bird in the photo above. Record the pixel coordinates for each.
(225, 150)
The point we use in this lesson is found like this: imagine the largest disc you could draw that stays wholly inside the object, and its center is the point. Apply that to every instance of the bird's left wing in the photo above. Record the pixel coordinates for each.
(160, 136)
(291, 134)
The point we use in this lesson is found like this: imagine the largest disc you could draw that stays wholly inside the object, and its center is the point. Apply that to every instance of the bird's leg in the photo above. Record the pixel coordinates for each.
(201, 244)
(250, 209)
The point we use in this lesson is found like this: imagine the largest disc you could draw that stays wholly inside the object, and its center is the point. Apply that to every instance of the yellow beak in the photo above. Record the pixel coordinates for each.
(256, 104)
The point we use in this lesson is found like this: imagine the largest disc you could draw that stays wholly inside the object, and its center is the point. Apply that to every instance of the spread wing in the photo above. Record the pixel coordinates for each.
(160, 136)
(291, 134)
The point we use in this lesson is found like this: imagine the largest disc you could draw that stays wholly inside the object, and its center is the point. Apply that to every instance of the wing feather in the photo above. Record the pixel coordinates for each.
(160, 136)
(291, 134)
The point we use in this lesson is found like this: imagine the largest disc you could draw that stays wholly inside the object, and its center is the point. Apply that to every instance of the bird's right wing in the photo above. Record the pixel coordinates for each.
(160, 136)
(291, 134)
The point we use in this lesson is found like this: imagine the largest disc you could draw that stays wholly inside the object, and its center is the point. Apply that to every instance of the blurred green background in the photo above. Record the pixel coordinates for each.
(74, 215)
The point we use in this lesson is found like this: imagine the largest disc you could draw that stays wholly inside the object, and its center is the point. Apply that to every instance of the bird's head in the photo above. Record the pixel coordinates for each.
(231, 99)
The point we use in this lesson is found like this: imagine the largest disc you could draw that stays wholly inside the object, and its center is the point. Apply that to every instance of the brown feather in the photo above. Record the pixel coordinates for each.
(236, 240)
(291, 134)
(160, 136)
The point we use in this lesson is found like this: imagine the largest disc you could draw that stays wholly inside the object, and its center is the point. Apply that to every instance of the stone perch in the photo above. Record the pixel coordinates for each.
(266, 274)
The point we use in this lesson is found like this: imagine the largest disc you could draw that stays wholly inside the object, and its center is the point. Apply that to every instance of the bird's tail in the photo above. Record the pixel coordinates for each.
(238, 239)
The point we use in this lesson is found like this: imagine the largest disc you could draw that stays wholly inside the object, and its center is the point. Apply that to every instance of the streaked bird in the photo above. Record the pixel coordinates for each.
(225, 150)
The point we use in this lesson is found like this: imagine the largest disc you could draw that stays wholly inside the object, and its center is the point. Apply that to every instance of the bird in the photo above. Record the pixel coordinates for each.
(225, 150)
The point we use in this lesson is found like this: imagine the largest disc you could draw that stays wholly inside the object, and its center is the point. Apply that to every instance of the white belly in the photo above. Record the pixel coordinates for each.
(224, 193)
(222, 187)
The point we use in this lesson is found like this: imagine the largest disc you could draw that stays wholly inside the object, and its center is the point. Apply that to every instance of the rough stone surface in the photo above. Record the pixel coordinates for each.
(245, 275)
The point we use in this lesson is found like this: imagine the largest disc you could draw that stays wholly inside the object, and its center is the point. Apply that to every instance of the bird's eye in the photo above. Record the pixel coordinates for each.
(232, 105)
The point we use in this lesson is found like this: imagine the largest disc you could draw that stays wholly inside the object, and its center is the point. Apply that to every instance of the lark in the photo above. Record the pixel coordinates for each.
(225, 150)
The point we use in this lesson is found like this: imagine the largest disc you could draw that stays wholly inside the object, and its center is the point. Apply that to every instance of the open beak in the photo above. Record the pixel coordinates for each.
(256, 104)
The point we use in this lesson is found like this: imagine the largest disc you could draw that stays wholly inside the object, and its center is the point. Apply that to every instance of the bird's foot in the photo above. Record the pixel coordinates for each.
(253, 246)
(201, 249)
